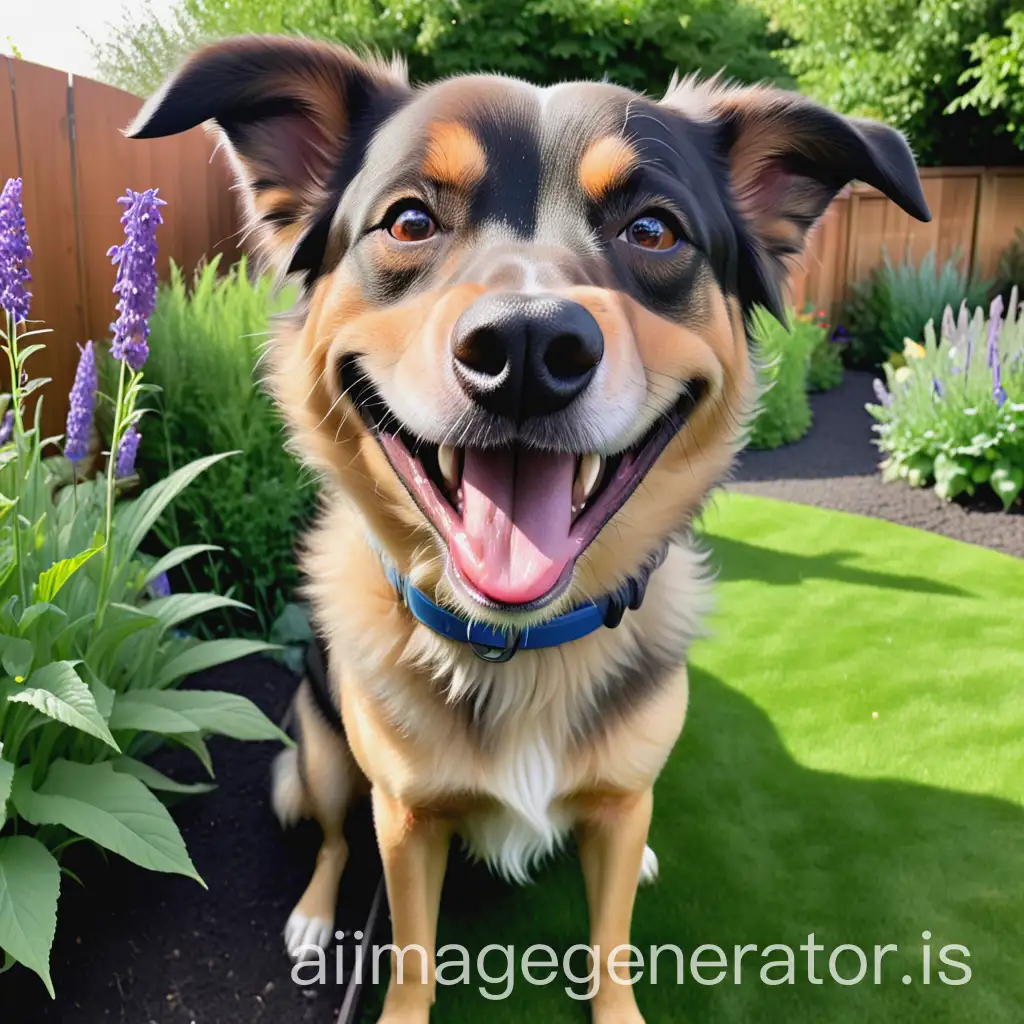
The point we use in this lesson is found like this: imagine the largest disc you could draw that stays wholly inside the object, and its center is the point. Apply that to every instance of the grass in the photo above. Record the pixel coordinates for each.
(787, 808)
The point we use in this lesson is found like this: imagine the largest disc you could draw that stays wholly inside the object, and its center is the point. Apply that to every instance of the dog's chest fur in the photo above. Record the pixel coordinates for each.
(514, 746)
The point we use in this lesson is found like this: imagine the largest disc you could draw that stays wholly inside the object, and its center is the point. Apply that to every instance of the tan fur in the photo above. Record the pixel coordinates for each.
(606, 164)
(454, 156)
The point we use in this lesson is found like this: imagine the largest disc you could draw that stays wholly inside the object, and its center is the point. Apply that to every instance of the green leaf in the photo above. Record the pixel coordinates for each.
(57, 691)
(1007, 481)
(17, 656)
(6, 777)
(133, 710)
(29, 887)
(227, 714)
(169, 611)
(157, 780)
(176, 557)
(27, 351)
(207, 654)
(123, 621)
(35, 612)
(194, 741)
(137, 518)
(60, 572)
(114, 810)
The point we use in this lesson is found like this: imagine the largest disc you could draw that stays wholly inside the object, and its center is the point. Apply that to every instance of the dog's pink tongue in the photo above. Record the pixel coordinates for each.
(516, 515)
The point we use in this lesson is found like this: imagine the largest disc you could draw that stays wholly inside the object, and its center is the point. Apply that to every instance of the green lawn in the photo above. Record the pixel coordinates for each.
(788, 807)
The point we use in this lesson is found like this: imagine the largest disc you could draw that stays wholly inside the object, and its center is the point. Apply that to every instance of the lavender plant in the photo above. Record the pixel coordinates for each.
(91, 656)
(953, 415)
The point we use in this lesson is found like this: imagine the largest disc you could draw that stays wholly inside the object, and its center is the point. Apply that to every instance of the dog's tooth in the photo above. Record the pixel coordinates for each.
(448, 460)
(589, 473)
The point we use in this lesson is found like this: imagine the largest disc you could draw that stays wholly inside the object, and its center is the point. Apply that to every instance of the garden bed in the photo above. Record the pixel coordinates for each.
(836, 466)
(140, 947)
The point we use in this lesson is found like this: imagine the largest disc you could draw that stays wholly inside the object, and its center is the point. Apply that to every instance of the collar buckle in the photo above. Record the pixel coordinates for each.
(498, 655)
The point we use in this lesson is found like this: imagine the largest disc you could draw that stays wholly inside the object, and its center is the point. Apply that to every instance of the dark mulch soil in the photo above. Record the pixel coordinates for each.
(836, 466)
(135, 947)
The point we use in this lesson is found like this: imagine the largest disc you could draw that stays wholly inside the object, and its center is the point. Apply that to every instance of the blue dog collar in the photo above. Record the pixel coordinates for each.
(493, 645)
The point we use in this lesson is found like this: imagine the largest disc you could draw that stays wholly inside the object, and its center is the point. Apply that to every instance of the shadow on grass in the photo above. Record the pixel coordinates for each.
(744, 561)
(757, 849)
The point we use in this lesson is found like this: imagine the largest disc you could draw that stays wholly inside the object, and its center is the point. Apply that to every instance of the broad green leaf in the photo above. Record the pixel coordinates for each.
(59, 693)
(123, 621)
(137, 519)
(104, 697)
(169, 611)
(17, 656)
(29, 888)
(60, 572)
(227, 714)
(35, 612)
(6, 777)
(207, 654)
(194, 741)
(157, 780)
(1007, 481)
(133, 710)
(112, 809)
(176, 557)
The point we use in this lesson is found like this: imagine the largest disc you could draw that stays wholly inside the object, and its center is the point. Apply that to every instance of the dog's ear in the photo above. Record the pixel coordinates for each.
(786, 158)
(296, 117)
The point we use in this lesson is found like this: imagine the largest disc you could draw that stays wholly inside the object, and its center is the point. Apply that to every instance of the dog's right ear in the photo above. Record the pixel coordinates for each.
(296, 116)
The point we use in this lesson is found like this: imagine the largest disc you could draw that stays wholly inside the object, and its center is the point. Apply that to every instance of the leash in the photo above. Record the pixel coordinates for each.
(495, 645)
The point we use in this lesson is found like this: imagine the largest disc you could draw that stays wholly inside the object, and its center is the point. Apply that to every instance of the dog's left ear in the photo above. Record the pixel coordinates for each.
(296, 116)
(787, 158)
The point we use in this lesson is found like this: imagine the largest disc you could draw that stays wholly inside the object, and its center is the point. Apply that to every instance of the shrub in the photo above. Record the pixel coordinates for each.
(953, 415)
(825, 368)
(785, 413)
(205, 341)
(895, 303)
(1010, 272)
(91, 659)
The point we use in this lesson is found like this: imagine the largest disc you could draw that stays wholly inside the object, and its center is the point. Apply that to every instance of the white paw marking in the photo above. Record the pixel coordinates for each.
(303, 935)
(649, 867)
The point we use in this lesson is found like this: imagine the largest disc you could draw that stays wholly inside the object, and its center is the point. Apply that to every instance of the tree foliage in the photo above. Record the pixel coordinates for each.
(637, 43)
(899, 61)
(997, 71)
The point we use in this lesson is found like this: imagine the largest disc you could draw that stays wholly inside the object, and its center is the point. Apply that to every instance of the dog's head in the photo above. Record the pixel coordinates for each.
(522, 343)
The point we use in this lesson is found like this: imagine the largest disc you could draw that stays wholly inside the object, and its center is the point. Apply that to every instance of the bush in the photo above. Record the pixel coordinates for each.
(204, 344)
(953, 414)
(636, 43)
(91, 654)
(825, 368)
(785, 413)
(897, 301)
(1010, 273)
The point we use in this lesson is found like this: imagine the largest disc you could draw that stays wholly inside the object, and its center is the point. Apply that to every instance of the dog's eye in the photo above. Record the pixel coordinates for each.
(413, 224)
(650, 232)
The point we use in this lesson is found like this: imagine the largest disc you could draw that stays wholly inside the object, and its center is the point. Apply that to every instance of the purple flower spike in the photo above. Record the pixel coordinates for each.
(998, 391)
(995, 324)
(883, 396)
(937, 388)
(14, 253)
(6, 426)
(83, 405)
(948, 325)
(160, 586)
(126, 452)
(136, 276)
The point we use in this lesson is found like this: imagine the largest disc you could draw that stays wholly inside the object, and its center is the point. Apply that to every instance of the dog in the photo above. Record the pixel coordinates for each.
(520, 363)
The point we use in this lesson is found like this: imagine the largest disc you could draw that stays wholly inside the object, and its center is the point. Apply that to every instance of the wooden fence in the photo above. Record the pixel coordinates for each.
(62, 135)
(975, 213)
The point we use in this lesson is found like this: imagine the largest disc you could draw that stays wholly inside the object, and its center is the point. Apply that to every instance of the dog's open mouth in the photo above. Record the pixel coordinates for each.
(514, 519)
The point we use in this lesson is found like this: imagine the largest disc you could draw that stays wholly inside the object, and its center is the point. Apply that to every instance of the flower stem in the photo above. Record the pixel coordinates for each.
(19, 438)
(108, 557)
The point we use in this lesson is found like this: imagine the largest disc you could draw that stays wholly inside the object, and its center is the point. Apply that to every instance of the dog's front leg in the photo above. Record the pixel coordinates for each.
(611, 835)
(414, 851)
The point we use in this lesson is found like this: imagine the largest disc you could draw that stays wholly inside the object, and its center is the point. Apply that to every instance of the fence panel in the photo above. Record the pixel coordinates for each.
(975, 212)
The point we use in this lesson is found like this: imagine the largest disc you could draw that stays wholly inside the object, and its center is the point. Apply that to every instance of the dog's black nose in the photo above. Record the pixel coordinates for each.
(525, 355)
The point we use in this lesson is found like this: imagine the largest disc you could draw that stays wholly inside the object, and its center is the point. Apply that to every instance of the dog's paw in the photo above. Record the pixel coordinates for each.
(649, 867)
(304, 935)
